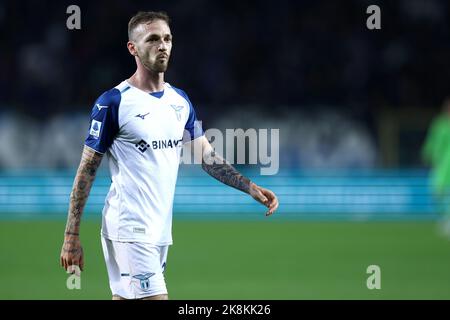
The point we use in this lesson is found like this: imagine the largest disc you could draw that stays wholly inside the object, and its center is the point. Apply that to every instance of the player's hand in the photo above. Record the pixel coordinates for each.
(72, 254)
(265, 196)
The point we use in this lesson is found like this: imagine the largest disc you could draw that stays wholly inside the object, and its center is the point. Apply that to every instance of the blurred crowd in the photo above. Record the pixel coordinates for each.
(270, 57)
(263, 53)
(322, 140)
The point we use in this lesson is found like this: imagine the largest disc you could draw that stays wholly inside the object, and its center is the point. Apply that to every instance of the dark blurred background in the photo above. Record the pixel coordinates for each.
(310, 62)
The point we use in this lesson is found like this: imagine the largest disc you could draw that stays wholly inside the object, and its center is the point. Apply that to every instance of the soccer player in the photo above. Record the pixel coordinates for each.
(140, 125)
(436, 153)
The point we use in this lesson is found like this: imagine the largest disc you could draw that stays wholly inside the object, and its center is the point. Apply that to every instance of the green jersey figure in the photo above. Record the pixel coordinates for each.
(436, 153)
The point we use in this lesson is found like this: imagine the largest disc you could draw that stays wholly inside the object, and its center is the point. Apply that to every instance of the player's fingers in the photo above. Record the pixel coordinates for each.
(261, 197)
(81, 263)
(270, 212)
(69, 264)
(273, 207)
(272, 199)
(274, 203)
(269, 194)
(74, 267)
(64, 263)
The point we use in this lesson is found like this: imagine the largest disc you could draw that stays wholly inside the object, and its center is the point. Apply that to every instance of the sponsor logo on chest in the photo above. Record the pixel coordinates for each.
(142, 145)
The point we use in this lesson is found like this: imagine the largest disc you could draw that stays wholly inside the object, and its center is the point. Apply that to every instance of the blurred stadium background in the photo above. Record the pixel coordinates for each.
(353, 107)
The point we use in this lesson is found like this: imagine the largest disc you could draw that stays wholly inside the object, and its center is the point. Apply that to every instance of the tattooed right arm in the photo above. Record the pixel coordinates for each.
(72, 252)
(90, 161)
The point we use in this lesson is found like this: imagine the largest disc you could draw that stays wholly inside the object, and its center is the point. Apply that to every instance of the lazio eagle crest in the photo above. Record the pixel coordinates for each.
(144, 280)
(177, 110)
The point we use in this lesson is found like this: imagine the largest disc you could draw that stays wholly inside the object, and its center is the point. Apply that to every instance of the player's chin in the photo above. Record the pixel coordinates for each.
(158, 66)
(161, 66)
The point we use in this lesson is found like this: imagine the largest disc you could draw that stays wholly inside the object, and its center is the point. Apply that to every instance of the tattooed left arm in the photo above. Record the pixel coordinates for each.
(220, 169)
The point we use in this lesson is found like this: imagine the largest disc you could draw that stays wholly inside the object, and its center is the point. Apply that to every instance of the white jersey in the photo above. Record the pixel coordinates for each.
(141, 134)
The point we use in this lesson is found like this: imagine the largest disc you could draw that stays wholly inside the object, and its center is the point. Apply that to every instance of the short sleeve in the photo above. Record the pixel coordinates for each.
(104, 123)
(193, 127)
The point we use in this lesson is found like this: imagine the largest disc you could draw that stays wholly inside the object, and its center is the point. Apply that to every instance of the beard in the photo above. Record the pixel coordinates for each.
(156, 65)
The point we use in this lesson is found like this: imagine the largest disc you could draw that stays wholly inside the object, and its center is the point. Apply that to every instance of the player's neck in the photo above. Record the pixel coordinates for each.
(148, 81)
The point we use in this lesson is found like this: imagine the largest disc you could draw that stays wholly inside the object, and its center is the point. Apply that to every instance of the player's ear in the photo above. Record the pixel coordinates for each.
(132, 48)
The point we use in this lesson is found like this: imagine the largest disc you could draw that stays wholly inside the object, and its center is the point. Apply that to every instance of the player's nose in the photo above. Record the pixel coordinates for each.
(162, 46)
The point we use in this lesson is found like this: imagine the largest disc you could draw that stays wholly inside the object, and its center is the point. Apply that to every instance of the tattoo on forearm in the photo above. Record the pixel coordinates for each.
(73, 246)
(72, 233)
(90, 161)
(220, 169)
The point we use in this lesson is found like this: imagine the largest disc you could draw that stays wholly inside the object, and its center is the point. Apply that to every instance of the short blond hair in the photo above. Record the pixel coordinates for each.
(145, 17)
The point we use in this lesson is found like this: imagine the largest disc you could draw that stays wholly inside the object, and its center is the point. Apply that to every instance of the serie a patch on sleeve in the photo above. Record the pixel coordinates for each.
(95, 129)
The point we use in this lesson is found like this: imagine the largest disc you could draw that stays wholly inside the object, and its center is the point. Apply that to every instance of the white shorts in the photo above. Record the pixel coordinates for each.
(135, 269)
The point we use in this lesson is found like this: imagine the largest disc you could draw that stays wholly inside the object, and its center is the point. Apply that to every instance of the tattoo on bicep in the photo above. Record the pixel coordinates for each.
(220, 169)
(90, 161)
